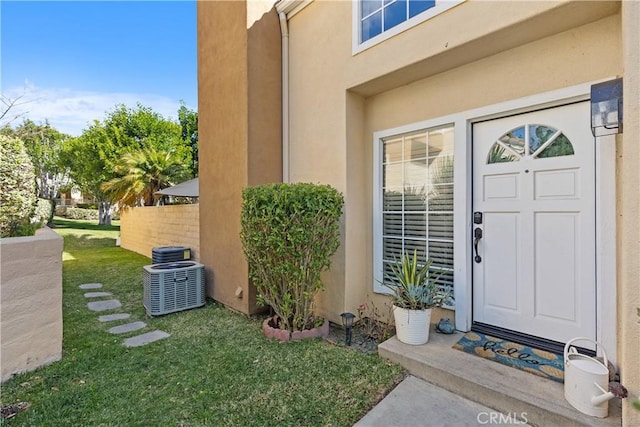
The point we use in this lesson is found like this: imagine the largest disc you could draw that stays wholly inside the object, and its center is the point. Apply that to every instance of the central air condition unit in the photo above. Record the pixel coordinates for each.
(172, 287)
(164, 254)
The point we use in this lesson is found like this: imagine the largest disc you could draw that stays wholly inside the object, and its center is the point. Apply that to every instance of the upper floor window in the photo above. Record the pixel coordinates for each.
(377, 20)
(380, 15)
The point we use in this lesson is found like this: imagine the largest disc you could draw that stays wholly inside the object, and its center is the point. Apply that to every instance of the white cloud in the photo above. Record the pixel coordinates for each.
(70, 111)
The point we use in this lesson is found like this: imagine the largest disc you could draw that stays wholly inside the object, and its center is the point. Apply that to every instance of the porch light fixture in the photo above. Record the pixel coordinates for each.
(347, 322)
(606, 108)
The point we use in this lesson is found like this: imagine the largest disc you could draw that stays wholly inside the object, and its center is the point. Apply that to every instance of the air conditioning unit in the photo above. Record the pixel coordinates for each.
(164, 254)
(171, 287)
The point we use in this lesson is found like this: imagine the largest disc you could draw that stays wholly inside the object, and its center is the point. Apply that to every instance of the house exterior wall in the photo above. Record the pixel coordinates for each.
(31, 302)
(239, 128)
(628, 207)
(503, 47)
(147, 227)
(473, 55)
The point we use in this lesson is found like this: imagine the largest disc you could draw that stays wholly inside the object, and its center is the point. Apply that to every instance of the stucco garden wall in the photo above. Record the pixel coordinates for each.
(30, 302)
(144, 228)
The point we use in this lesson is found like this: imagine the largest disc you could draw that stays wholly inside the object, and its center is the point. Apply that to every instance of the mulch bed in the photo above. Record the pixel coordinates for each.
(359, 340)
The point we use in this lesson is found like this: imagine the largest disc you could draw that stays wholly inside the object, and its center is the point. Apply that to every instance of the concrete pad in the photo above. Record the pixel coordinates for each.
(415, 402)
(127, 327)
(109, 304)
(112, 317)
(506, 389)
(97, 294)
(91, 286)
(144, 339)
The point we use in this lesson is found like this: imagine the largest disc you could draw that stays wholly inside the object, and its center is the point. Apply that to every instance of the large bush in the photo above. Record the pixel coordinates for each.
(17, 189)
(289, 233)
(44, 212)
(80, 213)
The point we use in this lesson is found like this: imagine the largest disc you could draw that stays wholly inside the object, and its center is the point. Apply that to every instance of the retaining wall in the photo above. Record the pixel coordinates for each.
(147, 227)
(30, 302)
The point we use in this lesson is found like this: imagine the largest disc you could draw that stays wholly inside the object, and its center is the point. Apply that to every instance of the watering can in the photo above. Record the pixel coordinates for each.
(586, 380)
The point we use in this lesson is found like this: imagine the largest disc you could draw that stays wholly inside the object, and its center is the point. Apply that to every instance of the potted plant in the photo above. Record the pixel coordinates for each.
(415, 292)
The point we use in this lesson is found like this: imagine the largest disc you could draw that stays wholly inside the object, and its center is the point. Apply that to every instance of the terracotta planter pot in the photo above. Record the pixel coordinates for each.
(412, 326)
(271, 330)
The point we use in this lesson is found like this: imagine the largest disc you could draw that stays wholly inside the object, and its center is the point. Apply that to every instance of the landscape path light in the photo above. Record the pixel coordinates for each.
(347, 322)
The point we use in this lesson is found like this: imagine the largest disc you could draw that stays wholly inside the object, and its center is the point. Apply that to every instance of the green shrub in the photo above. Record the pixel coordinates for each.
(17, 189)
(44, 212)
(79, 213)
(87, 206)
(61, 211)
(289, 233)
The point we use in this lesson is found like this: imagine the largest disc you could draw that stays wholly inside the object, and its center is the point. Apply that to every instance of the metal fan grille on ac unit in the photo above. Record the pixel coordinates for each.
(172, 287)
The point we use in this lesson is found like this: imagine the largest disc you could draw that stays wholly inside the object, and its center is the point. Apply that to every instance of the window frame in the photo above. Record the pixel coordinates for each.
(359, 46)
(379, 139)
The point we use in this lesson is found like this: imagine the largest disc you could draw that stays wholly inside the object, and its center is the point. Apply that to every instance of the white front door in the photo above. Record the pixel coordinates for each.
(534, 184)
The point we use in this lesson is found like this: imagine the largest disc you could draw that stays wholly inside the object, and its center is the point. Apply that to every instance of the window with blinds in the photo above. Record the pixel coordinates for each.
(417, 199)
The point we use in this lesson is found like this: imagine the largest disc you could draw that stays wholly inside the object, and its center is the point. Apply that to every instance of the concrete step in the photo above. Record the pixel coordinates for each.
(127, 327)
(507, 390)
(144, 339)
(112, 317)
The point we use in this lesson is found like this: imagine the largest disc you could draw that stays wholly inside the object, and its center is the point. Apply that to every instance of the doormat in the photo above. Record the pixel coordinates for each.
(529, 359)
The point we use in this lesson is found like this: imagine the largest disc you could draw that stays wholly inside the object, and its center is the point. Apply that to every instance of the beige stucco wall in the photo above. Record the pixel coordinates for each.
(147, 227)
(239, 128)
(31, 302)
(505, 51)
(628, 184)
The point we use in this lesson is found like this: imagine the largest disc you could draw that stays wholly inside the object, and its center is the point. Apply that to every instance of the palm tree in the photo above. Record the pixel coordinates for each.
(142, 173)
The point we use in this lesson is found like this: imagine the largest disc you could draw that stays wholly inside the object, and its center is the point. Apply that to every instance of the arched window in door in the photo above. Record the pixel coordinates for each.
(537, 141)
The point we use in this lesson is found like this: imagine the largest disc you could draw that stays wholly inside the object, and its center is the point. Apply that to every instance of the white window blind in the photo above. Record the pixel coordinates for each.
(417, 200)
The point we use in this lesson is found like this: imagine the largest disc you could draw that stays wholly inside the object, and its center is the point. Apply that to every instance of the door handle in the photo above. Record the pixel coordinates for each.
(477, 235)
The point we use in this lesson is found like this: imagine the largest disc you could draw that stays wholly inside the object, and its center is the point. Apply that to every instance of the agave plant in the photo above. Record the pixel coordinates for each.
(414, 286)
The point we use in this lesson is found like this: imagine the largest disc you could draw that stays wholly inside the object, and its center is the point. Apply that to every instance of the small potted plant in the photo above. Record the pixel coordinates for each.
(415, 293)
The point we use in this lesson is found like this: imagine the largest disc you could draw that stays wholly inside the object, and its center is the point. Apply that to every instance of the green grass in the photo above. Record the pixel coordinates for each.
(215, 369)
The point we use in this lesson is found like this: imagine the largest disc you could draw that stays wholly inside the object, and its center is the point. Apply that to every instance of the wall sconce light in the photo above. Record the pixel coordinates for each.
(606, 108)
(347, 322)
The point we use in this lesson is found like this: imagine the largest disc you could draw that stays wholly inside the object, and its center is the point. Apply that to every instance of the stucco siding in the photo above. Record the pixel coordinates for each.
(31, 302)
(239, 107)
(144, 228)
(440, 67)
(628, 183)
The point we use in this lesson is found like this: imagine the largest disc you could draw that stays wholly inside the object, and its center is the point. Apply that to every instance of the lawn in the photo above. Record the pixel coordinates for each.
(215, 369)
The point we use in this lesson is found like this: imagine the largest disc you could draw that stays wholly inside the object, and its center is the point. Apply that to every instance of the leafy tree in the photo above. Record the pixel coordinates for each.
(142, 173)
(189, 123)
(126, 129)
(17, 188)
(95, 156)
(43, 144)
(88, 167)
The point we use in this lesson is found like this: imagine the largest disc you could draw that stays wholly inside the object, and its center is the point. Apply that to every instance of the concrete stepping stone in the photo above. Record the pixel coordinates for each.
(144, 339)
(112, 317)
(109, 304)
(97, 294)
(127, 327)
(91, 286)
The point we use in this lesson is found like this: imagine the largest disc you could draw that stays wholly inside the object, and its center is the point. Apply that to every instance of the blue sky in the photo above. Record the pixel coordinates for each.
(75, 60)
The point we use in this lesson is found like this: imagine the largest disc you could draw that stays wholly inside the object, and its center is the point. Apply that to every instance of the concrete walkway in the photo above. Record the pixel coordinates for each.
(112, 304)
(416, 403)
